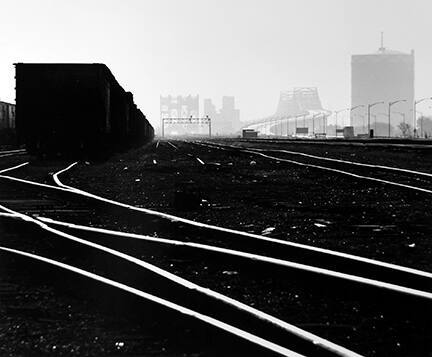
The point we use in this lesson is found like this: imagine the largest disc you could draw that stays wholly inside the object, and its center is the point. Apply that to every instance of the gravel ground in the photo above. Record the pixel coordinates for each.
(257, 195)
(407, 158)
(287, 202)
(41, 321)
(45, 311)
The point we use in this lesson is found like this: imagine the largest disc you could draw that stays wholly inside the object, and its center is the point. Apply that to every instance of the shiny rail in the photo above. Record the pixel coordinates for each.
(325, 168)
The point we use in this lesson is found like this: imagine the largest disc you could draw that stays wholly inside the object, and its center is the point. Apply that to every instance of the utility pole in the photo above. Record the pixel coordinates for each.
(336, 112)
(163, 124)
(368, 112)
(325, 117)
(382, 48)
(415, 110)
(281, 127)
(313, 124)
(389, 113)
(421, 126)
(313, 121)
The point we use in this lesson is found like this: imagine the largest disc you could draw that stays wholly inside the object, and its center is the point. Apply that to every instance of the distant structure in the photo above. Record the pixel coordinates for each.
(299, 112)
(298, 101)
(226, 121)
(210, 108)
(179, 107)
(385, 76)
(7, 115)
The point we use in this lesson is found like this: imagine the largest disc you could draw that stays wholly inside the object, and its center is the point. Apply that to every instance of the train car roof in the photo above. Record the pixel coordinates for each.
(63, 64)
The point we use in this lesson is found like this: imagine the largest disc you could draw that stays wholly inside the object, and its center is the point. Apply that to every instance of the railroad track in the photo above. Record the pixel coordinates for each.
(228, 241)
(194, 157)
(141, 306)
(394, 278)
(377, 142)
(172, 145)
(69, 252)
(413, 282)
(335, 160)
(6, 153)
(420, 182)
(10, 158)
(13, 167)
(175, 149)
(264, 247)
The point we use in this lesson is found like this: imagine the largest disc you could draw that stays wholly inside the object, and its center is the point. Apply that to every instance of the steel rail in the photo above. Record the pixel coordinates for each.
(8, 215)
(346, 173)
(56, 175)
(172, 218)
(302, 334)
(174, 146)
(340, 142)
(12, 153)
(17, 151)
(14, 167)
(390, 168)
(245, 234)
(32, 183)
(15, 154)
(200, 161)
(253, 257)
(163, 302)
(196, 157)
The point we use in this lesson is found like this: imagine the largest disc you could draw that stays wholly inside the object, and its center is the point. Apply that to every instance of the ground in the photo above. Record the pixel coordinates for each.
(288, 202)
(278, 199)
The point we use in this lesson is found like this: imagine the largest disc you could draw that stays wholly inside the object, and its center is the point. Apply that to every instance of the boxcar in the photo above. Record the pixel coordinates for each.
(75, 110)
(7, 124)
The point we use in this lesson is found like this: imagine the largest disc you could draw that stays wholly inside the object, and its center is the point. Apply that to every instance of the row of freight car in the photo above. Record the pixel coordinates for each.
(75, 110)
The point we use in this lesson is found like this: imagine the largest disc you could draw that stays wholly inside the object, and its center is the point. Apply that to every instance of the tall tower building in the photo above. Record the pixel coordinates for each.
(209, 108)
(385, 76)
(225, 121)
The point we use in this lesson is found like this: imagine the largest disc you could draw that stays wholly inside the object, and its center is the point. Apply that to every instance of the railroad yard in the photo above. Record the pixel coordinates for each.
(224, 247)
(256, 182)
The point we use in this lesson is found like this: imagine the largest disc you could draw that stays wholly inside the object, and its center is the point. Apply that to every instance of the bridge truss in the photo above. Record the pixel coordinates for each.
(186, 121)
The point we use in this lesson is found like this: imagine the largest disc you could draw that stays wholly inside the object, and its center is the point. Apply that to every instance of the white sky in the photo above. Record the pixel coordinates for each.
(251, 49)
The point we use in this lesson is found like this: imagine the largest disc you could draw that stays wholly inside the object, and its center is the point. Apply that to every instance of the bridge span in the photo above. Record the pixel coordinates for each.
(299, 112)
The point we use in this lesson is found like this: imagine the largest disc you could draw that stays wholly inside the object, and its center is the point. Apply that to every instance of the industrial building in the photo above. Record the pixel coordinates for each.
(226, 121)
(385, 76)
(180, 107)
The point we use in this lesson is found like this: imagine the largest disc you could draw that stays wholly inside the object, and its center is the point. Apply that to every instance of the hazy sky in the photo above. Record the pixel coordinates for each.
(251, 49)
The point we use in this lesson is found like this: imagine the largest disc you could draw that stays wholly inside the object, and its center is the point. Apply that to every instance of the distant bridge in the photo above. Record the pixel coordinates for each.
(299, 112)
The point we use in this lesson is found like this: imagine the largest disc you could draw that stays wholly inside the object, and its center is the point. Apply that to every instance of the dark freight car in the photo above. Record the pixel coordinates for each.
(7, 124)
(75, 110)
